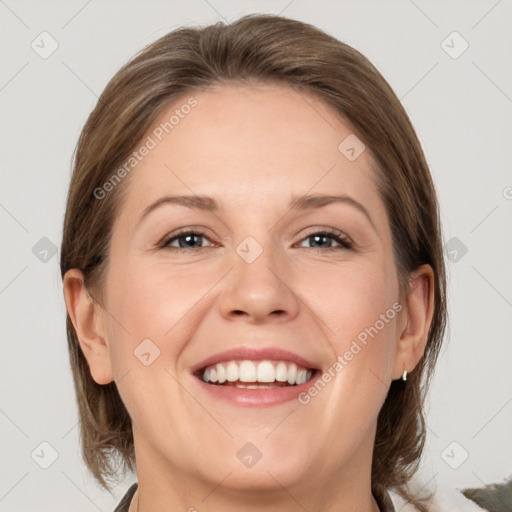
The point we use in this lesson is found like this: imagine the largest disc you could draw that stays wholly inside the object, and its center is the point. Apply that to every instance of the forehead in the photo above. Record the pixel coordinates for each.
(246, 145)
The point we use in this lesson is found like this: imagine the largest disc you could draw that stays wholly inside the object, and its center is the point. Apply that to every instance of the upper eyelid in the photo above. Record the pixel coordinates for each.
(181, 233)
(334, 233)
(327, 231)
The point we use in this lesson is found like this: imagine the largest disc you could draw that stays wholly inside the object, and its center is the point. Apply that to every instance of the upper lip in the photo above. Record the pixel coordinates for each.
(255, 354)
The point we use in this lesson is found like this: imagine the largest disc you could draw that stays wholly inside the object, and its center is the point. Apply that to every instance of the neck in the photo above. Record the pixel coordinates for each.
(165, 487)
(135, 506)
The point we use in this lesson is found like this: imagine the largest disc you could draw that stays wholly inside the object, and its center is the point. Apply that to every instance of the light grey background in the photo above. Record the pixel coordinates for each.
(461, 108)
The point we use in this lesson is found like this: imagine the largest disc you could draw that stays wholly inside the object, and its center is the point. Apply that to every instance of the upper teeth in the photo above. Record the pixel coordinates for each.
(257, 371)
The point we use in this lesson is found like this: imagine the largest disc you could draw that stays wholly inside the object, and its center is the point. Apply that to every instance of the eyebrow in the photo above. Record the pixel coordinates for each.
(306, 202)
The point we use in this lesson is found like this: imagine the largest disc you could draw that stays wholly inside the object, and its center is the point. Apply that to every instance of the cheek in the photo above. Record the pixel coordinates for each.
(346, 302)
(351, 298)
(158, 304)
(152, 313)
(358, 310)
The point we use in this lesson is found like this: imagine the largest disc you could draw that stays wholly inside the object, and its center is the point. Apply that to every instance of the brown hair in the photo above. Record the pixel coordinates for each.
(255, 49)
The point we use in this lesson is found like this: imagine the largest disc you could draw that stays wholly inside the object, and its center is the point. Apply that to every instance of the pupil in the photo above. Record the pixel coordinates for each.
(316, 238)
(189, 240)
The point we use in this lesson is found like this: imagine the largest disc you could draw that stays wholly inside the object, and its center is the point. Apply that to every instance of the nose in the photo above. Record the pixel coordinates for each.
(258, 292)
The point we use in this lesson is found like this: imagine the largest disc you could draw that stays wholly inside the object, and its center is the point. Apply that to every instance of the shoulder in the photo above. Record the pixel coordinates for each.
(124, 504)
(383, 498)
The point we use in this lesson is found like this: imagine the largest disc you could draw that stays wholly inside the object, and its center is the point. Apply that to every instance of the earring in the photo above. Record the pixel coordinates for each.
(404, 376)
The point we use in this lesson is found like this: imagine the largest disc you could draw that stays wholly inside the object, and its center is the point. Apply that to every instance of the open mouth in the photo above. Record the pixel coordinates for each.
(247, 374)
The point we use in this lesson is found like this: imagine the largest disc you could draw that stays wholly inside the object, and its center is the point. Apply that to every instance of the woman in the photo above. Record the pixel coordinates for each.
(253, 274)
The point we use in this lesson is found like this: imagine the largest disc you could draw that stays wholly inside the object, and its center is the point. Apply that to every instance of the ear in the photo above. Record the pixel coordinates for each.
(419, 311)
(89, 323)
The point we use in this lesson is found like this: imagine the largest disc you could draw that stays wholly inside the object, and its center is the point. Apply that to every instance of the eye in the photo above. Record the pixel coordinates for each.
(323, 239)
(185, 240)
(194, 240)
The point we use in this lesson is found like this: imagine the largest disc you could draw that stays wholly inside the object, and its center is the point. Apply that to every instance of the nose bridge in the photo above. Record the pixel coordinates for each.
(257, 285)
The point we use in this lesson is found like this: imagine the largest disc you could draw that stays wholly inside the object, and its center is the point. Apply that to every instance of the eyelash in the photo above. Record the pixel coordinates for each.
(335, 235)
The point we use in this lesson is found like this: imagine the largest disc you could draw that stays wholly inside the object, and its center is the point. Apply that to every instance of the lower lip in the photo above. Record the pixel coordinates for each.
(256, 397)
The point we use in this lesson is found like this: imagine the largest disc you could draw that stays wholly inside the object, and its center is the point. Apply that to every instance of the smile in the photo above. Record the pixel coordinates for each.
(266, 374)
(255, 376)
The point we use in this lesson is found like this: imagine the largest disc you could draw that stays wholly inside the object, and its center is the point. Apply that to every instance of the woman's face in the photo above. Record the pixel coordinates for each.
(261, 278)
